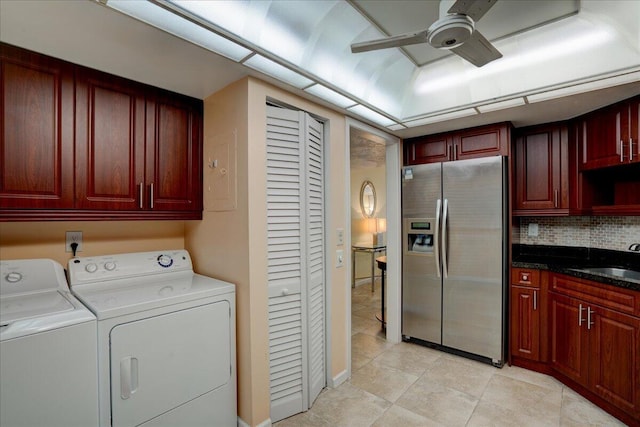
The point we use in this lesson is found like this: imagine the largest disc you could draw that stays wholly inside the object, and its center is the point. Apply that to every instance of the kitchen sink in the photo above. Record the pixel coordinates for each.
(612, 271)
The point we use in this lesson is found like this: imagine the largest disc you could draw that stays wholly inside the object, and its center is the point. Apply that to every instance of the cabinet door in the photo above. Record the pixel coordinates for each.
(427, 149)
(525, 323)
(541, 169)
(569, 337)
(603, 143)
(36, 135)
(481, 142)
(174, 154)
(109, 142)
(634, 129)
(614, 370)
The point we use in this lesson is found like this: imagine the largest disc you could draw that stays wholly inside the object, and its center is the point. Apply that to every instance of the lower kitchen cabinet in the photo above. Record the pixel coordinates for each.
(526, 320)
(594, 345)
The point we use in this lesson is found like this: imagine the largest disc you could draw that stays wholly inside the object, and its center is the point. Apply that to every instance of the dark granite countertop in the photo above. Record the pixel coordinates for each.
(565, 259)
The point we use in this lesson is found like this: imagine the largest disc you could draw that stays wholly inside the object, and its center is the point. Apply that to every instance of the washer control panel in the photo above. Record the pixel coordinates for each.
(121, 266)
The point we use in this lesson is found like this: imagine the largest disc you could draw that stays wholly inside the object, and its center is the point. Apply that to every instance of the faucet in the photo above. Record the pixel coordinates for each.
(635, 247)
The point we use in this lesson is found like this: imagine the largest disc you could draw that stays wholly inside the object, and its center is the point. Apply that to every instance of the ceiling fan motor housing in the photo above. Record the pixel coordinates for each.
(450, 31)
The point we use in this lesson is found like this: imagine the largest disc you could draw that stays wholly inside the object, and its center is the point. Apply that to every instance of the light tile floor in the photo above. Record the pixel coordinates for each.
(411, 385)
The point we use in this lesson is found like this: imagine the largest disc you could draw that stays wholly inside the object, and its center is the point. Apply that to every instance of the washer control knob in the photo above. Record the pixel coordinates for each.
(165, 260)
(109, 265)
(91, 267)
(13, 277)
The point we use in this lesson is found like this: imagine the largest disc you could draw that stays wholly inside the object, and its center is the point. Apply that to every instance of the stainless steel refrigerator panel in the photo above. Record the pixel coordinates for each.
(421, 187)
(421, 299)
(472, 244)
(421, 286)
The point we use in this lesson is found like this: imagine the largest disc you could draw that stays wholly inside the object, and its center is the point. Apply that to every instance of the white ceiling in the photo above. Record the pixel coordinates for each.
(88, 33)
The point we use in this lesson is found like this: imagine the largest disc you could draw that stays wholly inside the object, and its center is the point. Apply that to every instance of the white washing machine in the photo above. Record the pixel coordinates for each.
(48, 349)
(166, 339)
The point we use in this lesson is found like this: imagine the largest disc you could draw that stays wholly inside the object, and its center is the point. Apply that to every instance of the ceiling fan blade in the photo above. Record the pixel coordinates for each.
(477, 50)
(475, 9)
(395, 41)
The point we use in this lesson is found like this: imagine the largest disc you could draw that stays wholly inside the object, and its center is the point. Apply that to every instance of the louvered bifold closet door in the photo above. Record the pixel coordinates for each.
(295, 233)
(287, 365)
(315, 256)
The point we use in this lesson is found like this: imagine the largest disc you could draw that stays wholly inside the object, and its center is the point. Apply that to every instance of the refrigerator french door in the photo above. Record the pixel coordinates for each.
(453, 281)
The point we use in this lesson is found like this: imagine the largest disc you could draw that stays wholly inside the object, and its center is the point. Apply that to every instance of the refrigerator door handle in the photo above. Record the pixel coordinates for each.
(436, 244)
(445, 214)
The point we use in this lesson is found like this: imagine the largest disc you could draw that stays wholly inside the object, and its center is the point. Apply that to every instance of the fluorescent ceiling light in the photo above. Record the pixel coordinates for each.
(397, 127)
(513, 61)
(368, 113)
(269, 67)
(501, 105)
(585, 87)
(441, 117)
(330, 95)
(180, 27)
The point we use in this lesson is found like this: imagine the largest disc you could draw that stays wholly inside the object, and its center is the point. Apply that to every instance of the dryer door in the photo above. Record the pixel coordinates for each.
(162, 362)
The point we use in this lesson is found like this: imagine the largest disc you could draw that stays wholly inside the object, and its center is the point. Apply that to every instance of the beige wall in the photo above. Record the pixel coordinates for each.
(20, 240)
(231, 245)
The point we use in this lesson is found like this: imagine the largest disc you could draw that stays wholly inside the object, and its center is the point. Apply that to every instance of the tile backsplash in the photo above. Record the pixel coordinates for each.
(604, 232)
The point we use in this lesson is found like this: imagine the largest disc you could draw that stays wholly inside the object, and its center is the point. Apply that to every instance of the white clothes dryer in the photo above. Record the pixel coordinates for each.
(48, 349)
(166, 339)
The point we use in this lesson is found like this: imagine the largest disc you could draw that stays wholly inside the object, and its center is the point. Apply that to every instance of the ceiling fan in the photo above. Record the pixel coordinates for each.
(455, 31)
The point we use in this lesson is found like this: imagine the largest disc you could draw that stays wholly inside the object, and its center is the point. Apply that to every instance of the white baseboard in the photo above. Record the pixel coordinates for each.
(339, 379)
(265, 423)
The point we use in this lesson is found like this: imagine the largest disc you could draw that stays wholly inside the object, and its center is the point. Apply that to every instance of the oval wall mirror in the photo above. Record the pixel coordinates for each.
(367, 199)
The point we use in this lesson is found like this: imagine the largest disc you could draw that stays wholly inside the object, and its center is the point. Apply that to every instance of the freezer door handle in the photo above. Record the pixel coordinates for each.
(445, 215)
(436, 244)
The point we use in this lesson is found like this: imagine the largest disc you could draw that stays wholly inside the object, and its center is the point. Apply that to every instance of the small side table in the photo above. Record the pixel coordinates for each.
(368, 248)
(382, 265)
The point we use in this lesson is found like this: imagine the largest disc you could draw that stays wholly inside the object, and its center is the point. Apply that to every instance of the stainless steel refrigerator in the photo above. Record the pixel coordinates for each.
(454, 256)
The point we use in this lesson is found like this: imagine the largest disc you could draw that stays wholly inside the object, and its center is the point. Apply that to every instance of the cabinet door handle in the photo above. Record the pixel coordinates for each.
(455, 152)
(141, 194)
(535, 300)
(449, 152)
(621, 151)
(555, 198)
(151, 195)
(630, 149)
(580, 315)
(589, 313)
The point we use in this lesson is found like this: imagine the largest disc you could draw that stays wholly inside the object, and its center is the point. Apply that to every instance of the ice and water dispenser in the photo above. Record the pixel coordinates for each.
(419, 235)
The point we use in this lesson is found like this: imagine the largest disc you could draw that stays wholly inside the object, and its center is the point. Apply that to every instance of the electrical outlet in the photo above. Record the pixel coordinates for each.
(532, 230)
(73, 237)
(340, 236)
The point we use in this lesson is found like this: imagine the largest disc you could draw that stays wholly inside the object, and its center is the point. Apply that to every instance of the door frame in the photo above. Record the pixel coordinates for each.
(394, 258)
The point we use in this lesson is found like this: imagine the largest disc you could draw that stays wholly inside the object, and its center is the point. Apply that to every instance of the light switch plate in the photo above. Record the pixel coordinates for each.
(340, 258)
(532, 231)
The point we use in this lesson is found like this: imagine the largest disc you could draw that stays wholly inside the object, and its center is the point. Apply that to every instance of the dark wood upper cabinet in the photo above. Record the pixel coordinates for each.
(110, 142)
(427, 149)
(36, 145)
(610, 136)
(173, 151)
(541, 170)
(483, 141)
(137, 149)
